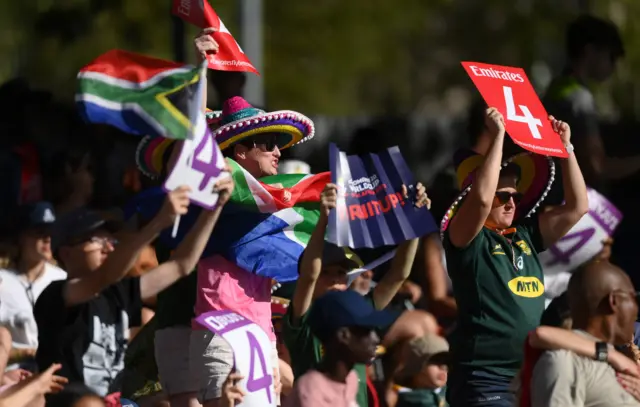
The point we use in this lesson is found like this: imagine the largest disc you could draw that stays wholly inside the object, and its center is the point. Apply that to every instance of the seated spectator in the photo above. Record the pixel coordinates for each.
(603, 308)
(21, 285)
(345, 323)
(84, 321)
(323, 268)
(424, 376)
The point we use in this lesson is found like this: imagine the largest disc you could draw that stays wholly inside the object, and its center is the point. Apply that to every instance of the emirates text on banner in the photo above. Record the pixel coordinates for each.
(230, 56)
(508, 89)
(251, 354)
(138, 94)
(371, 211)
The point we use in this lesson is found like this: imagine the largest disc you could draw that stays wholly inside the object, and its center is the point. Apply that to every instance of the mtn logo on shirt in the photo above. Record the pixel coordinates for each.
(498, 250)
(529, 287)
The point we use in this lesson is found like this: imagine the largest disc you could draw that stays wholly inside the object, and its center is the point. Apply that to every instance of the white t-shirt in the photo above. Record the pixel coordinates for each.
(17, 299)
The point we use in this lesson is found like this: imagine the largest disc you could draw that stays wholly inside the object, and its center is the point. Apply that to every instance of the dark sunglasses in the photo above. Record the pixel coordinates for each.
(504, 197)
(267, 143)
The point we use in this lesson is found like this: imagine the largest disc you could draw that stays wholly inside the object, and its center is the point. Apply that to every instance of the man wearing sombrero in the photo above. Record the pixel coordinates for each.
(492, 245)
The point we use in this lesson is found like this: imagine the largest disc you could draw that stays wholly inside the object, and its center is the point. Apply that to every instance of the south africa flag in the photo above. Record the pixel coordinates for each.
(138, 94)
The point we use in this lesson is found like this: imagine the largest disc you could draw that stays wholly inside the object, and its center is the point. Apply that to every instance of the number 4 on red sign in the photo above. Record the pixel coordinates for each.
(526, 118)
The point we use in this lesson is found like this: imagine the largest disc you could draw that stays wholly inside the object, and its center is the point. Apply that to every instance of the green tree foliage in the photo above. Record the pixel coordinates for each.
(324, 56)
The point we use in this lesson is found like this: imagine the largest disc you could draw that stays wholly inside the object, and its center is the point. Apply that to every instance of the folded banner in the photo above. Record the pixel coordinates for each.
(230, 56)
(263, 229)
(138, 94)
(580, 244)
(371, 210)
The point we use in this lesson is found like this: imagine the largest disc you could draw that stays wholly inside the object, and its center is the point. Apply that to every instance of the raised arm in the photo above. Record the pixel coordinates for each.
(555, 223)
(473, 212)
(188, 252)
(118, 263)
(437, 291)
(311, 260)
(402, 262)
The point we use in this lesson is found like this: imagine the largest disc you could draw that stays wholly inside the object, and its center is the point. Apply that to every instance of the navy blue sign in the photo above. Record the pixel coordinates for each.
(371, 210)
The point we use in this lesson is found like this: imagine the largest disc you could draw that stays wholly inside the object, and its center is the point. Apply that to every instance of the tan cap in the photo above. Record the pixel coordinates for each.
(420, 352)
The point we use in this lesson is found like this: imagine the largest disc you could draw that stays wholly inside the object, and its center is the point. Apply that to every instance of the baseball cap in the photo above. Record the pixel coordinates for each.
(36, 216)
(340, 309)
(423, 350)
(80, 224)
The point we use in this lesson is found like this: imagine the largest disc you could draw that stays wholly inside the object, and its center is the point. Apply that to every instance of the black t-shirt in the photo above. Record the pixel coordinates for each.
(89, 339)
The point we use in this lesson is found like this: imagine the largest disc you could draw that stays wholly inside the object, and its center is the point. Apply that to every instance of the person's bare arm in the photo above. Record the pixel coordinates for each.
(118, 264)
(440, 302)
(205, 44)
(33, 388)
(555, 223)
(402, 262)
(473, 212)
(550, 338)
(184, 259)
(311, 260)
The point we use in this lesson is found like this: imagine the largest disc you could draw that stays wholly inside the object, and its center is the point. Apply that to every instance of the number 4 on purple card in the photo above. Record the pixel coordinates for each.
(204, 151)
(579, 239)
(265, 380)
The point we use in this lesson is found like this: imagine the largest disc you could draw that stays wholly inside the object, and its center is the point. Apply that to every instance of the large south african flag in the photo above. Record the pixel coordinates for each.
(265, 226)
(138, 94)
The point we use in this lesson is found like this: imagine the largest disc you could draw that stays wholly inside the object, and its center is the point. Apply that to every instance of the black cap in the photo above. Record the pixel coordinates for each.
(588, 29)
(36, 216)
(76, 226)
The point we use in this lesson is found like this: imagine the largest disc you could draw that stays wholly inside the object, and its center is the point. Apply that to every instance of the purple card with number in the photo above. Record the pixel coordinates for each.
(252, 353)
(199, 166)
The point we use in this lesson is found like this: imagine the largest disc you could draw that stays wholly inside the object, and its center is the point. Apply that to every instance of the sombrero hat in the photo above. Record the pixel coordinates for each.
(240, 120)
(537, 173)
(153, 152)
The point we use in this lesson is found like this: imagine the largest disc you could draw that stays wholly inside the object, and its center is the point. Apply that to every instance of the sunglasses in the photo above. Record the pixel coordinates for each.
(266, 143)
(503, 197)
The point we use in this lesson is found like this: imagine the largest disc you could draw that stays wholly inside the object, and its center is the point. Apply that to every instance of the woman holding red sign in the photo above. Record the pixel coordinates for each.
(491, 242)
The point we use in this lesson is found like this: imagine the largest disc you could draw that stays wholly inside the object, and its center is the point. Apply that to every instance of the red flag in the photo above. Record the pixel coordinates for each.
(230, 56)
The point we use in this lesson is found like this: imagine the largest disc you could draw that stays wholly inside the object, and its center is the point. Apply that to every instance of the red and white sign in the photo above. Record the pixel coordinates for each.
(230, 56)
(508, 89)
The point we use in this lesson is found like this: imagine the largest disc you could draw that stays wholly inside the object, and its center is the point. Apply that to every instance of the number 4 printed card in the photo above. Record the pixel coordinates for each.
(508, 89)
(199, 166)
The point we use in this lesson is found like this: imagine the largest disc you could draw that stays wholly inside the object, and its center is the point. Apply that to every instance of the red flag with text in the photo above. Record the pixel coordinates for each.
(230, 56)
(508, 89)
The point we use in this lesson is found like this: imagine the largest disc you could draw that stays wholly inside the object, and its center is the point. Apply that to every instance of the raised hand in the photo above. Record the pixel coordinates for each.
(562, 129)
(205, 44)
(176, 203)
(494, 121)
(421, 197)
(328, 199)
